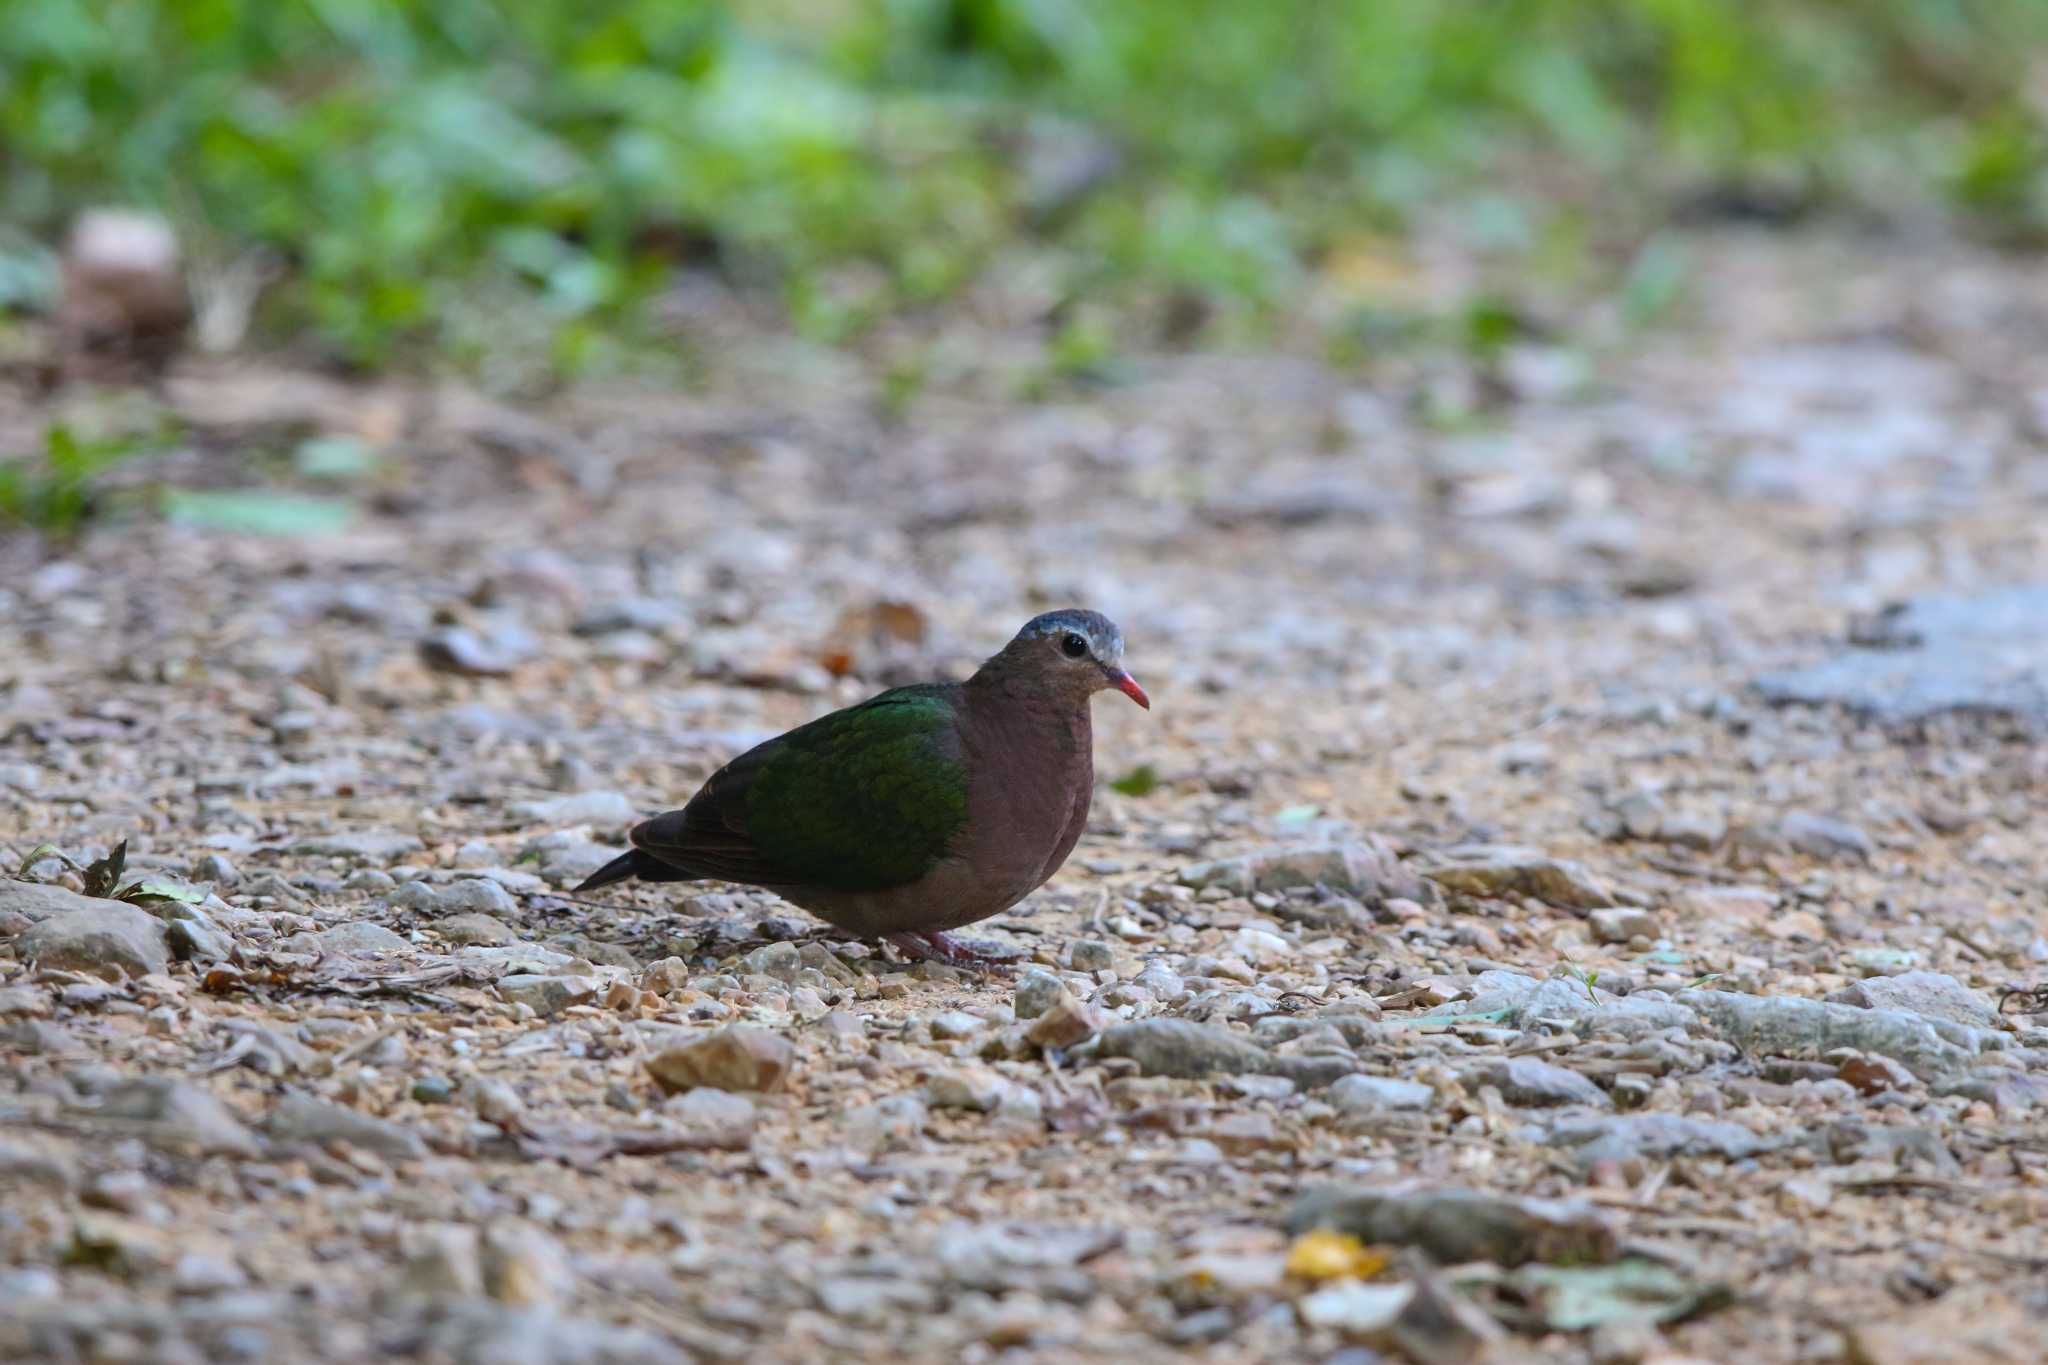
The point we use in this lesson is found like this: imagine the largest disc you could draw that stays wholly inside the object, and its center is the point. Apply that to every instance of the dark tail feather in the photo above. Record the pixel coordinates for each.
(630, 864)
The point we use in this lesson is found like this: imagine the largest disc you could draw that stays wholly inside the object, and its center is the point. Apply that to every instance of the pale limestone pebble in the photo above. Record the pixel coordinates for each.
(1090, 955)
(739, 1058)
(955, 1025)
(983, 1090)
(716, 1118)
(607, 809)
(547, 996)
(369, 848)
(523, 1266)
(1363, 1096)
(894, 1123)
(1621, 923)
(359, 938)
(303, 1118)
(467, 929)
(1037, 991)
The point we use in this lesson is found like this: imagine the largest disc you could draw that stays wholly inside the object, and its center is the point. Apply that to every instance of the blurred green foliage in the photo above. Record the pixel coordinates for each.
(415, 161)
(58, 491)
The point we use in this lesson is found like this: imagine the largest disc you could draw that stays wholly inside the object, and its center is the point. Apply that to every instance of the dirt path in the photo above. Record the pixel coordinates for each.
(1497, 639)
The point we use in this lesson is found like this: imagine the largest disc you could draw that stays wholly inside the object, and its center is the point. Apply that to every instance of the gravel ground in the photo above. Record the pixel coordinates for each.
(1553, 911)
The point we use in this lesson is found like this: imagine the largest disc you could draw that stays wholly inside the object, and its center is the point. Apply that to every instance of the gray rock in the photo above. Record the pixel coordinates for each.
(547, 995)
(37, 902)
(433, 1090)
(977, 1088)
(1980, 654)
(1621, 1137)
(216, 869)
(1457, 1225)
(1369, 873)
(32, 1166)
(1531, 1082)
(415, 896)
(1783, 1027)
(104, 938)
(368, 879)
(567, 858)
(360, 937)
(472, 895)
(998, 1256)
(1165, 984)
(716, 1118)
(1852, 1141)
(173, 1114)
(628, 614)
(1037, 992)
(1693, 829)
(197, 1274)
(887, 1124)
(475, 896)
(954, 1025)
(1640, 815)
(597, 951)
(1823, 838)
(196, 939)
(301, 1118)
(1620, 923)
(523, 1266)
(1183, 1048)
(1362, 1096)
(368, 847)
(874, 1300)
(1498, 871)
(1355, 1309)
(1523, 1000)
(1090, 955)
(781, 961)
(1931, 995)
(609, 810)
(482, 1332)
(441, 1259)
(493, 651)
(475, 928)
(23, 1000)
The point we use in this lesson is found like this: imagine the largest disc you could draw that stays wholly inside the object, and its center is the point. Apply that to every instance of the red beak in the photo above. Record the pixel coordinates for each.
(1128, 685)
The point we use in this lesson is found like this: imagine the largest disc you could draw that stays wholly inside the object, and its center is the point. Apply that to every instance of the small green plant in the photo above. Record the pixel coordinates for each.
(1585, 979)
(103, 878)
(59, 490)
(1142, 780)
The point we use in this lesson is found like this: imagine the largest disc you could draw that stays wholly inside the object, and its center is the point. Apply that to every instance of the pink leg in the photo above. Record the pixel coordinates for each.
(943, 947)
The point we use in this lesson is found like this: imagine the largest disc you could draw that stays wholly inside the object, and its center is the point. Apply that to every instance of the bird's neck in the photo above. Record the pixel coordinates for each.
(1024, 710)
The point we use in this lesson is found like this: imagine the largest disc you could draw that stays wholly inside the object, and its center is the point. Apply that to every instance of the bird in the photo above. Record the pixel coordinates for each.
(913, 813)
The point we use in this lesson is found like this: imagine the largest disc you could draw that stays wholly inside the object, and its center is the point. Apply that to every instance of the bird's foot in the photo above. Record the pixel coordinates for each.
(943, 947)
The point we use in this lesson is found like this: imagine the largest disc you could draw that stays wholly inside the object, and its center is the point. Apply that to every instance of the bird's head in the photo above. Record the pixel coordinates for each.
(1074, 652)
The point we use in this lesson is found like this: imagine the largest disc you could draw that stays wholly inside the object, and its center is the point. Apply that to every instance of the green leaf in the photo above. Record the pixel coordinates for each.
(162, 889)
(255, 512)
(1139, 781)
(40, 852)
(339, 458)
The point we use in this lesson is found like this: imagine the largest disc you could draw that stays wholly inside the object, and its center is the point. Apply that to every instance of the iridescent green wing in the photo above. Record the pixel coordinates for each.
(861, 800)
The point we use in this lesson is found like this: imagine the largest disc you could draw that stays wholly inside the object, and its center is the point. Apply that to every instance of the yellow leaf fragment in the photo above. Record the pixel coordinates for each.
(1327, 1255)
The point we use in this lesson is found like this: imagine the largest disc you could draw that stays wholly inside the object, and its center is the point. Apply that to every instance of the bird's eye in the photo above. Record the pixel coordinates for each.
(1074, 647)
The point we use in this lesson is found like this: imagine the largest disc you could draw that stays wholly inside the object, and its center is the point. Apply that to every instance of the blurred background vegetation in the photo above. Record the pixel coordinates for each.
(410, 175)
